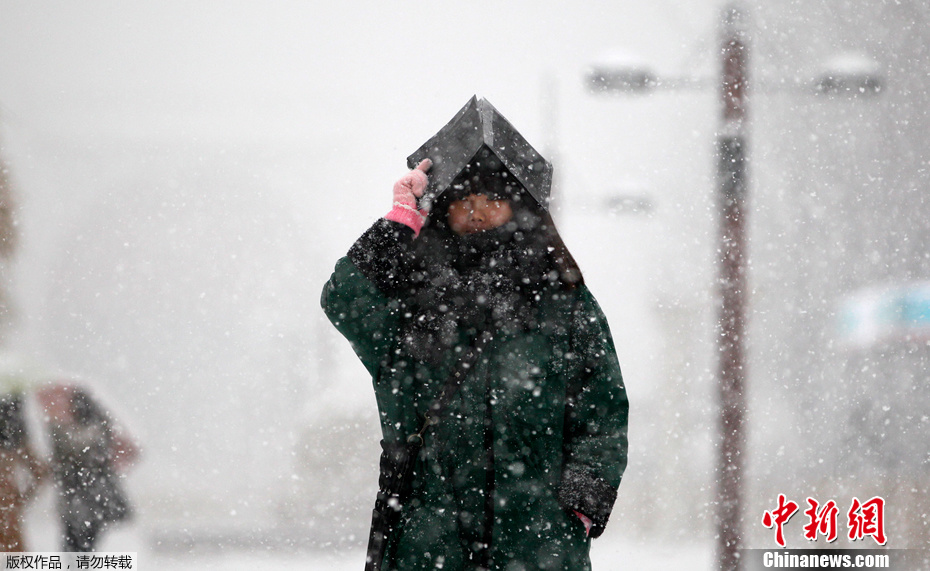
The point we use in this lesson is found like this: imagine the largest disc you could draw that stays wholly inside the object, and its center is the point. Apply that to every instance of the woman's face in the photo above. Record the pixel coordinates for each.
(476, 213)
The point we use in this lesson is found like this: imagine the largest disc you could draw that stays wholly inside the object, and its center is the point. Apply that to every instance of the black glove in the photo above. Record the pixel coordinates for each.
(587, 494)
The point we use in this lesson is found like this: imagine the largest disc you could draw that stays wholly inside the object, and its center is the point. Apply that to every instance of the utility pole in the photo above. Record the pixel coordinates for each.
(731, 334)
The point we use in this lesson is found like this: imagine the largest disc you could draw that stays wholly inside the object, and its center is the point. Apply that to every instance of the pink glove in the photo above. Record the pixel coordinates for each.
(407, 190)
(585, 520)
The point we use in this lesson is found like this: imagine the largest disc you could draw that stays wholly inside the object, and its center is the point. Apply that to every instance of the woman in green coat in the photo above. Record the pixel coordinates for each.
(521, 468)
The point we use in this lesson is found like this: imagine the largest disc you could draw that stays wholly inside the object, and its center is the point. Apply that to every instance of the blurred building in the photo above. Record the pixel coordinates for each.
(840, 206)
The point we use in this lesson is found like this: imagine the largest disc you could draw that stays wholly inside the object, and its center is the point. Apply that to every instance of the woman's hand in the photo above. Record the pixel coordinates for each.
(410, 187)
(407, 190)
(586, 521)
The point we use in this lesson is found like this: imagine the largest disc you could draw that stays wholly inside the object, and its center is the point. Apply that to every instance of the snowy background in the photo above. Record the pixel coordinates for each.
(187, 173)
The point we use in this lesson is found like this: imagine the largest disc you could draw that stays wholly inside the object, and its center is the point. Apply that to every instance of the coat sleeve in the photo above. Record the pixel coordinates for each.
(597, 410)
(360, 297)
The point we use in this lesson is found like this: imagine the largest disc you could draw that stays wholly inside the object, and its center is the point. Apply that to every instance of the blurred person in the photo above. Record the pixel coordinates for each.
(502, 407)
(17, 486)
(89, 450)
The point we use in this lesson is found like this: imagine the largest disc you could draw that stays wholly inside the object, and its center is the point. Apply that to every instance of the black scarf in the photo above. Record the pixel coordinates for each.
(486, 281)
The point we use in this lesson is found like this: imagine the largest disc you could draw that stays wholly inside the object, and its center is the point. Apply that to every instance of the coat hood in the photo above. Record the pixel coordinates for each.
(478, 127)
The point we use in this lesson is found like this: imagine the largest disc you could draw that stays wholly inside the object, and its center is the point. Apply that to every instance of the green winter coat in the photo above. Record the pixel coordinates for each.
(537, 429)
